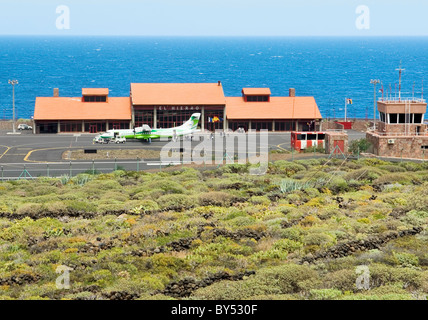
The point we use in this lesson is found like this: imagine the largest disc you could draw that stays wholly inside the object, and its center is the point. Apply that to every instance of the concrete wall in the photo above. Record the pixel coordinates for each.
(400, 107)
(331, 125)
(406, 147)
(330, 139)
(8, 125)
(357, 124)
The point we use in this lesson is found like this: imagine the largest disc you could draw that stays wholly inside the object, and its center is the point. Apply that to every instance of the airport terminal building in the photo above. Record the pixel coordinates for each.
(166, 105)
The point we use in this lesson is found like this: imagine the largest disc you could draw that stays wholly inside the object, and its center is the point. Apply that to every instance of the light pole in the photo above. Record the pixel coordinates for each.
(13, 83)
(374, 82)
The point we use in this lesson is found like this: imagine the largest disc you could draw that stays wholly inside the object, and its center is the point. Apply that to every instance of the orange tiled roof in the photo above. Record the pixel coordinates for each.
(94, 92)
(177, 94)
(256, 91)
(277, 108)
(60, 108)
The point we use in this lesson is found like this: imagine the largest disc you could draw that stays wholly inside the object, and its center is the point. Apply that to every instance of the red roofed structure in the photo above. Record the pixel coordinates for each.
(93, 112)
(256, 110)
(166, 105)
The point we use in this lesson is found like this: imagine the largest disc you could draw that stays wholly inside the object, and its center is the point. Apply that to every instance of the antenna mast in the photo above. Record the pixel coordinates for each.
(400, 70)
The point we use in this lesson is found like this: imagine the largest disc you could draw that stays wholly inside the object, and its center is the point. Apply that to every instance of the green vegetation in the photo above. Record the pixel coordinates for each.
(359, 146)
(301, 231)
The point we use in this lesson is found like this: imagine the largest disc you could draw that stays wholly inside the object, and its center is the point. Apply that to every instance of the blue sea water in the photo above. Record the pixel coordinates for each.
(330, 69)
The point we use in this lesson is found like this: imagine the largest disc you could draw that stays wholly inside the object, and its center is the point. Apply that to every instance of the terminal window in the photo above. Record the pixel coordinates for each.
(95, 98)
(257, 98)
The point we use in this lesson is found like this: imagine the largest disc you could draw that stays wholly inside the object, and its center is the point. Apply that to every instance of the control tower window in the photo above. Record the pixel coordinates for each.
(418, 118)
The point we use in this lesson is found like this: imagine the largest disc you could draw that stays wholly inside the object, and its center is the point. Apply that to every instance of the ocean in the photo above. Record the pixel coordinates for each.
(328, 68)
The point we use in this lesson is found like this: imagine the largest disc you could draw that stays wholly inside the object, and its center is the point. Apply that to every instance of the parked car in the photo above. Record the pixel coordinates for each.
(118, 140)
(98, 139)
(24, 127)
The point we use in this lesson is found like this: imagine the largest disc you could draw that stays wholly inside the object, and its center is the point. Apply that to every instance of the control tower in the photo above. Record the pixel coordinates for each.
(402, 130)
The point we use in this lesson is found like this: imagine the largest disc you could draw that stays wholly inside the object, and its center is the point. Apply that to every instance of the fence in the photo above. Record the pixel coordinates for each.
(34, 170)
(58, 169)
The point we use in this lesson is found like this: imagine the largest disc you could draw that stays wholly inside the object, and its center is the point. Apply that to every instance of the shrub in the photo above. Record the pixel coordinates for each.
(415, 218)
(406, 259)
(145, 207)
(366, 173)
(287, 245)
(381, 275)
(56, 208)
(31, 209)
(98, 184)
(392, 168)
(229, 183)
(337, 185)
(418, 199)
(327, 212)
(324, 294)
(270, 255)
(42, 190)
(319, 239)
(175, 202)
(242, 221)
(288, 278)
(412, 166)
(262, 200)
(373, 162)
(358, 146)
(166, 185)
(343, 280)
(235, 168)
(285, 167)
(80, 206)
(235, 290)
(398, 177)
(115, 195)
(293, 233)
(215, 198)
(318, 149)
(394, 297)
(284, 279)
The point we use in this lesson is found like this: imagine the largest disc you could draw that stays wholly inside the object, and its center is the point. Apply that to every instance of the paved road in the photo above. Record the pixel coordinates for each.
(41, 154)
(49, 148)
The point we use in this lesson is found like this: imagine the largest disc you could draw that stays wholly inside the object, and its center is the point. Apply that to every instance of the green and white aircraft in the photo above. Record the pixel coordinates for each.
(146, 133)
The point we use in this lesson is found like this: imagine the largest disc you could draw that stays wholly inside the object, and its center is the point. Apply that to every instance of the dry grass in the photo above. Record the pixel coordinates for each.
(296, 156)
(106, 154)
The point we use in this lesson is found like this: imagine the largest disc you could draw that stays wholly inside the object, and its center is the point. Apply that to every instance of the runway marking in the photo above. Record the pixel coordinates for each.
(26, 158)
(279, 146)
(7, 149)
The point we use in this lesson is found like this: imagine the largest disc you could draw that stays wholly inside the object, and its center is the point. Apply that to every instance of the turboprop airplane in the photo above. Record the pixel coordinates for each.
(146, 133)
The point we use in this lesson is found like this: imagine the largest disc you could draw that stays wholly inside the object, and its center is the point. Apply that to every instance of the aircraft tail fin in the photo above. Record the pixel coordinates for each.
(192, 123)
